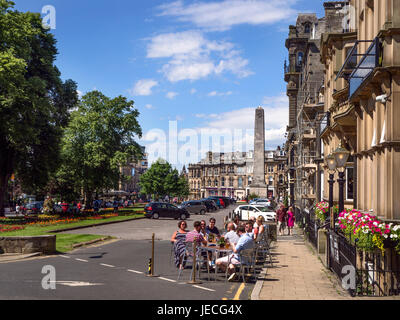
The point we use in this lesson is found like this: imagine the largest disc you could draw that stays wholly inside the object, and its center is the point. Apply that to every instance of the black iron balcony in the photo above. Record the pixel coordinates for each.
(291, 68)
(357, 73)
(325, 122)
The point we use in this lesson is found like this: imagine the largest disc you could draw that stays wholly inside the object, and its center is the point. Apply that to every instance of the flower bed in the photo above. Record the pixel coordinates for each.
(6, 228)
(369, 230)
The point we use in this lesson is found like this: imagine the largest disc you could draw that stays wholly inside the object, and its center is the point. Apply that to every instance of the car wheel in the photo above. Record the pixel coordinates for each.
(156, 215)
(183, 216)
(202, 212)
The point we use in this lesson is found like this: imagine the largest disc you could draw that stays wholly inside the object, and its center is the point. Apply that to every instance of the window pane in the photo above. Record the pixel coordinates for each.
(350, 184)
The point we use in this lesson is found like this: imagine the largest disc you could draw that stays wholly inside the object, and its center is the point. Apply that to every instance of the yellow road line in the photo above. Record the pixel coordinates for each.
(239, 292)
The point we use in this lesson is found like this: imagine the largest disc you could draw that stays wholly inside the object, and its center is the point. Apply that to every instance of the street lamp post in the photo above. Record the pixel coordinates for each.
(341, 156)
(331, 163)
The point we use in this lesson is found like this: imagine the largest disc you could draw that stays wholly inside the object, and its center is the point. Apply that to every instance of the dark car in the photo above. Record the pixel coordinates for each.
(221, 202)
(210, 204)
(197, 207)
(156, 210)
(33, 208)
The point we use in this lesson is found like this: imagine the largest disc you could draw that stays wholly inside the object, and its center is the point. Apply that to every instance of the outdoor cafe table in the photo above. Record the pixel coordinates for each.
(216, 251)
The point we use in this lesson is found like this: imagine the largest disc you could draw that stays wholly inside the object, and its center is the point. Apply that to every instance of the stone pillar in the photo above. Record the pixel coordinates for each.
(258, 185)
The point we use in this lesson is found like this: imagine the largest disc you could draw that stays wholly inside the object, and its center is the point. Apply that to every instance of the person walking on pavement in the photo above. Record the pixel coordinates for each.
(281, 215)
(290, 221)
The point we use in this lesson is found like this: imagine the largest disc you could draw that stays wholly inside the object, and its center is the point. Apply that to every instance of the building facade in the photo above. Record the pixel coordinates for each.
(132, 172)
(231, 174)
(305, 77)
(365, 105)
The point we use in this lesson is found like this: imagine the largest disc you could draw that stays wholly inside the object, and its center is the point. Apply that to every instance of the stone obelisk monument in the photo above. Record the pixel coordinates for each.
(258, 185)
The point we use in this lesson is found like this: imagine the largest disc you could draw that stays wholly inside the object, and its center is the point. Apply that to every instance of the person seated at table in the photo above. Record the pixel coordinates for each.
(211, 228)
(230, 261)
(259, 228)
(195, 235)
(203, 231)
(178, 239)
(249, 228)
(231, 236)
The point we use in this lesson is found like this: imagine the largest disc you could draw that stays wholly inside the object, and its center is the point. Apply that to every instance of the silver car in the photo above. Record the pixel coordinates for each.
(196, 207)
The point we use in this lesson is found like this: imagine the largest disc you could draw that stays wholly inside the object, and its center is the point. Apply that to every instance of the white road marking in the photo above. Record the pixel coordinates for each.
(107, 265)
(81, 260)
(167, 279)
(134, 271)
(66, 257)
(204, 288)
(77, 283)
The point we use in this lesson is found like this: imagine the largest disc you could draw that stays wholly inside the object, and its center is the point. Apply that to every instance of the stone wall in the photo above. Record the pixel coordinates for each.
(25, 245)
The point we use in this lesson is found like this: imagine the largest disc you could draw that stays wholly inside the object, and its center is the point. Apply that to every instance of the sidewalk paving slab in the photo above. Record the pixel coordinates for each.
(297, 274)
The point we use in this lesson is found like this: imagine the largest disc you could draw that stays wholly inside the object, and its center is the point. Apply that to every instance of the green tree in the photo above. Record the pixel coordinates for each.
(99, 139)
(34, 102)
(162, 180)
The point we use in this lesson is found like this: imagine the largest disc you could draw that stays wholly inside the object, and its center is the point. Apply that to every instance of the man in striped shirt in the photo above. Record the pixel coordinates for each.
(196, 235)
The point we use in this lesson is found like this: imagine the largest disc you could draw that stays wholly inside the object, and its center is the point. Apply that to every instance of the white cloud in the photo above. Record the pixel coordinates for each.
(219, 94)
(149, 106)
(276, 119)
(191, 56)
(171, 95)
(193, 91)
(223, 15)
(143, 87)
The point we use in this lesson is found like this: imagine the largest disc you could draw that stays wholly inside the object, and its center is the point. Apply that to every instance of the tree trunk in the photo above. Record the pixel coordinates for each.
(6, 169)
(3, 191)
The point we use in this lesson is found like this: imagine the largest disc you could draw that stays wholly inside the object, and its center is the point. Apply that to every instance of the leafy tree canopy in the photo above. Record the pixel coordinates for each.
(98, 140)
(162, 180)
(34, 101)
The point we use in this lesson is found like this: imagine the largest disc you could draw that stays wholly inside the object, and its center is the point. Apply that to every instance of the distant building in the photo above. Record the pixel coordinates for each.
(231, 174)
(132, 172)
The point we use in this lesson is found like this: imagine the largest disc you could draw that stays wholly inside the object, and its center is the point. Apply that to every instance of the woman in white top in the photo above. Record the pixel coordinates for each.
(259, 227)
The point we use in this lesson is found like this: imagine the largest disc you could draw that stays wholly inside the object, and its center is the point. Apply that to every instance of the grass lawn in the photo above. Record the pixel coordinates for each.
(66, 241)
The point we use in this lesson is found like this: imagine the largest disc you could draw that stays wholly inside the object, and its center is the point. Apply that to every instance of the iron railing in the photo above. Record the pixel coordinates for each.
(376, 275)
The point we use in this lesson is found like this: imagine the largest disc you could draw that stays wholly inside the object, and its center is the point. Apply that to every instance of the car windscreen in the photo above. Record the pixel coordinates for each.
(265, 209)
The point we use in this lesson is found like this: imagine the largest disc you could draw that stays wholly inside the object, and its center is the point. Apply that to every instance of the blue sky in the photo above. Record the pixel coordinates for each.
(204, 64)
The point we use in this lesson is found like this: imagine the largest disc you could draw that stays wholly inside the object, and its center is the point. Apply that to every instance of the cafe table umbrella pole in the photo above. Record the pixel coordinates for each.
(152, 259)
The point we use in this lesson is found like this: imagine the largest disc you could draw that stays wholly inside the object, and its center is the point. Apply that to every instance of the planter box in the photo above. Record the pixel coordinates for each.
(25, 245)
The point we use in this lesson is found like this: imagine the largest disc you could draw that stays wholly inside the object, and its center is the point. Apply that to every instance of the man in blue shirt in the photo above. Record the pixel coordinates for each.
(245, 242)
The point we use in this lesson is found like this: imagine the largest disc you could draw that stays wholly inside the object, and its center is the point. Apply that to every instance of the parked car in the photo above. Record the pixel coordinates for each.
(193, 206)
(215, 202)
(210, 204)
(33, 208)
(220, 201)
(156, 210)
(246, 212)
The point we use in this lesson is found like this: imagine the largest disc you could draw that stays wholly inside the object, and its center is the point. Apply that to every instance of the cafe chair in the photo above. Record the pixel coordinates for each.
(248, 262)
(188, 259)
(263, 244)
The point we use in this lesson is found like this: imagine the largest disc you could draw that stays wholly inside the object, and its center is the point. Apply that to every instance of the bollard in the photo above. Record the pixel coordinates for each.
(230, 215)
(194, 281)
(151, 262)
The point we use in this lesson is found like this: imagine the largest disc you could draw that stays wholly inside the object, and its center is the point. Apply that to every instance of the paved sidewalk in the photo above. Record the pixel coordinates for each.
(298, 274)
